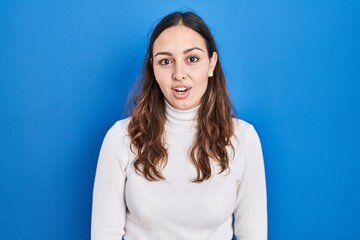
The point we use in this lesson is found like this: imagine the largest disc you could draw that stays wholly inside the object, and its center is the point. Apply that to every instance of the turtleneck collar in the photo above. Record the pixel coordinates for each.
(181, 120)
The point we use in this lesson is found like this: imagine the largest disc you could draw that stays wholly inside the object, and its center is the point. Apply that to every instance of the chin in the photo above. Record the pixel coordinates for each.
(186, 106)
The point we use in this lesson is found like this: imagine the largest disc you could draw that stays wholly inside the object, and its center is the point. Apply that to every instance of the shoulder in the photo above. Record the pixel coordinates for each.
(120, 126)
(244, 131)
(241, 127)
(114, 152)
(118, 133)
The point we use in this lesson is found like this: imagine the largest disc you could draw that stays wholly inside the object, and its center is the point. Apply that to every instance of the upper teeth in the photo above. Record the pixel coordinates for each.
(180, 89)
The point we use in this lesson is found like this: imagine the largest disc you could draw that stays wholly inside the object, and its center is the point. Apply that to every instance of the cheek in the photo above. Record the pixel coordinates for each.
(161, 75)
(203, 80)
(204, 86)
(205, 83)
(162, 80)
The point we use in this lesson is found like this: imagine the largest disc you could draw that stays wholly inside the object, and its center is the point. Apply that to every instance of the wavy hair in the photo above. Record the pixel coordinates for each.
(147, 122)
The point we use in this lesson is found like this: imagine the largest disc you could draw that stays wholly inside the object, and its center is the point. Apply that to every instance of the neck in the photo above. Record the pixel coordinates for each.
(181, 120)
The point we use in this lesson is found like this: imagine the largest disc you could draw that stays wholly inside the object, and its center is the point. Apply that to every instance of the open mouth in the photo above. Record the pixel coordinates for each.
(181, 90)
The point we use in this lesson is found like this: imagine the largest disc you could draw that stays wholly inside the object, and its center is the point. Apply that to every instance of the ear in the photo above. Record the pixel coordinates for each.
(213, 61)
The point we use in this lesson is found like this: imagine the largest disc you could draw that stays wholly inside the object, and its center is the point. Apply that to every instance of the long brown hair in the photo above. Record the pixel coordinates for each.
(215, 126)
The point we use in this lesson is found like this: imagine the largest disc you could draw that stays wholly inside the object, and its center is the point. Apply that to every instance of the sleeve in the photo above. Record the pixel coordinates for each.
(108, 207)
(250, 216)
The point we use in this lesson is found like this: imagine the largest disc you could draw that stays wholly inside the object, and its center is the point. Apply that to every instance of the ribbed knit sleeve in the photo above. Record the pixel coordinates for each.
(109, 209)
(251, 210)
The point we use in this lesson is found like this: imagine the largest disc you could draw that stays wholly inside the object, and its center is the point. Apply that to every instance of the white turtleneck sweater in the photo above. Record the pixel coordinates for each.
(127, 206)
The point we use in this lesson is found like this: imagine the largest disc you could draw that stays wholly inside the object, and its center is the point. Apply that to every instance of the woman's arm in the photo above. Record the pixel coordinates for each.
(109, 209)
(251, 210)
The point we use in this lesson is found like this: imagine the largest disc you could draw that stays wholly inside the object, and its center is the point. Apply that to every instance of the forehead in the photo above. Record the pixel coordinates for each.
(178, 38)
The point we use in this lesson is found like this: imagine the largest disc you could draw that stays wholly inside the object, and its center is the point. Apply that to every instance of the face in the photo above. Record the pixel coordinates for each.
(182, 66)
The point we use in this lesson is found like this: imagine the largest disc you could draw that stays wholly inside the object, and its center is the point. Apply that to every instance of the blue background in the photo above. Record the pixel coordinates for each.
(293, 70)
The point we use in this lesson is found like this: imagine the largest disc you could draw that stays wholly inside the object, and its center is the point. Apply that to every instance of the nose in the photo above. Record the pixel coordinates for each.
(179, 73)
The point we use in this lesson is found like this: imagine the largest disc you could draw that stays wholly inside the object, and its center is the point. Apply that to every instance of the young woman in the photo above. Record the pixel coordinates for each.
(181, 166)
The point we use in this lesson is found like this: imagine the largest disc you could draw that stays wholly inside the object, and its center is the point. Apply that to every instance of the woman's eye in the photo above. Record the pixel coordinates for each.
(193, 59)
(165, 62)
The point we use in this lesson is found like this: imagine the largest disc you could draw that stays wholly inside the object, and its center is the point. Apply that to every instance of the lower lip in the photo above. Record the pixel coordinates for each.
(181, 95)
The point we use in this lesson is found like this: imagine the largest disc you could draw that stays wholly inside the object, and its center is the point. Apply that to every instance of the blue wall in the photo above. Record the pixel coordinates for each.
(293, 70)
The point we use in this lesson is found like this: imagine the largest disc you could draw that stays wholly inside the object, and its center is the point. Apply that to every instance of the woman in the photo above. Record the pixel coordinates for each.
(181, 167)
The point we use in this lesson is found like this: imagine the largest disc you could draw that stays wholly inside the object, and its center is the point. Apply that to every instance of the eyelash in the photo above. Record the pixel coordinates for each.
(196, 59)
(162, 61)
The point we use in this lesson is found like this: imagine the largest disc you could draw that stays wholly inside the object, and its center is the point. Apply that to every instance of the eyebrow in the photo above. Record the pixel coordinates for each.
(185, 52)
